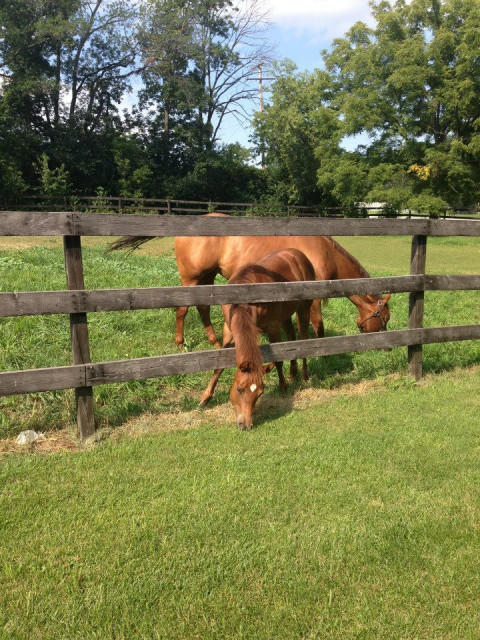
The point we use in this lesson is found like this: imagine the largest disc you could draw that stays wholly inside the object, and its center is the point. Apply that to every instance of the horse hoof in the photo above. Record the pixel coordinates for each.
(204, 402)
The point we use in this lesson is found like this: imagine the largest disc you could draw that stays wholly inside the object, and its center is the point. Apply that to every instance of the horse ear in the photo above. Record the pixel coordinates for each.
(386, 298)
(244, 366)
(267, 368)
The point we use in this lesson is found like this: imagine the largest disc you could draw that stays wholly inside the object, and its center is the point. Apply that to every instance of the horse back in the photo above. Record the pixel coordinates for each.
(288, 265)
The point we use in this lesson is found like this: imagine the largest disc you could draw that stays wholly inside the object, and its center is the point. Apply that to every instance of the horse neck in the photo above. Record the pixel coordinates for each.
(349, 267)
(245, 335)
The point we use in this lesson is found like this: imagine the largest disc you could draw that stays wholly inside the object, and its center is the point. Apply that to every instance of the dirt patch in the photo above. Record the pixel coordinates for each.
(15, 243)
(218, 416)
(222, 415)
(55, 441)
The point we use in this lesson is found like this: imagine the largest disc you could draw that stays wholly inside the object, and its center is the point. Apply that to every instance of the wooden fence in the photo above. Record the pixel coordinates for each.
(77, 302)
(115, 204)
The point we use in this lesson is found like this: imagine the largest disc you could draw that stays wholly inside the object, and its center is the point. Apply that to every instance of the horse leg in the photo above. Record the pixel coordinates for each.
(316, 318)
(274, 335)
(204, 311)
(303, 313)
(290, 335)
(180, 313)
(208, 393)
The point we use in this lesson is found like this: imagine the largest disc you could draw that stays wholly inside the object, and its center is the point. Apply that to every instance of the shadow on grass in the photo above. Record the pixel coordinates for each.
(117, 404)
(183, 393)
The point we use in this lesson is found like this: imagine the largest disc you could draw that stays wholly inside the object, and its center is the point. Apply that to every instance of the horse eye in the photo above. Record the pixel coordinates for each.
(239, 390)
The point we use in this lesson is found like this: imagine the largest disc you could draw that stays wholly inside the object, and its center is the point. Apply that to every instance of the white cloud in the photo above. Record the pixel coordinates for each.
(331, 17)
(316, 8)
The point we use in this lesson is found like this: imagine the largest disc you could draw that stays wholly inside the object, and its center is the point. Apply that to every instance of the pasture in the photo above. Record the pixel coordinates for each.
(356, 517)
(30, 342)
(351, 512)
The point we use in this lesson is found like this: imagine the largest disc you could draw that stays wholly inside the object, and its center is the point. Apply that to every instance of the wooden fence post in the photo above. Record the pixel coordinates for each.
(416, 304)
(79, 335)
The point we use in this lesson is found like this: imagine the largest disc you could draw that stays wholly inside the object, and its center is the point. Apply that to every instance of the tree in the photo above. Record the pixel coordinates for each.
(300, 131)
(65, 67)
(412, 84)
(202, 57)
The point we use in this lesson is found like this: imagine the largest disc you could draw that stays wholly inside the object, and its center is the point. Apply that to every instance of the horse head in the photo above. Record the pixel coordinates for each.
(373, 316)
(246, 389)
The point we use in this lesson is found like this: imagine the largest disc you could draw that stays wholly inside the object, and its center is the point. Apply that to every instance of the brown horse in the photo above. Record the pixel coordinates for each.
(200, 259)
(243, 322)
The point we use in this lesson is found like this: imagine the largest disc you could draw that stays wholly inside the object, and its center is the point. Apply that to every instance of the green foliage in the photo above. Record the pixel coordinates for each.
(409, 82)
(12, 184)
(52, 182)
(220, 176)
(131, 163)
(345, 177)
(390, 184)
(427, 204)
(299, 131)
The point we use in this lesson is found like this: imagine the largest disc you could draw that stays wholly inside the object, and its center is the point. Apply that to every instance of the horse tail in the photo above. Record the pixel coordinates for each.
(129, 243)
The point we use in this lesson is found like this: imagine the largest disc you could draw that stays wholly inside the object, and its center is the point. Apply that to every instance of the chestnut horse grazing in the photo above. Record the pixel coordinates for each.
(244, 322)
(200, 259)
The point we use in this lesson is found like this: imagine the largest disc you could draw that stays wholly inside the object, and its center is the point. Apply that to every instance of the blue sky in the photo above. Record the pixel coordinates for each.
(300, 30)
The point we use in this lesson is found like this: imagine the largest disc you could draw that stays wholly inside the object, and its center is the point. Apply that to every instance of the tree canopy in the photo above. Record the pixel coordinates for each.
(67, 68)
(129, 98)
(410, 87)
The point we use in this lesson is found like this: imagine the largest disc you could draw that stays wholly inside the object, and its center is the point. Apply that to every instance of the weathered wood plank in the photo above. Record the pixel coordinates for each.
(47, 379)
(45, 302)
(48, 302)
(14, 382)
(79, 335)
(43, 223)
(452, 282)
(113, 225)
(37, 223)
(22, 223)
(416, 304)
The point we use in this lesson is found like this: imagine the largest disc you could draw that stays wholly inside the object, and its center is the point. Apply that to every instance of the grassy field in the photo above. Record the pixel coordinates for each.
(30, 342)
(352, 512)
(354, 518)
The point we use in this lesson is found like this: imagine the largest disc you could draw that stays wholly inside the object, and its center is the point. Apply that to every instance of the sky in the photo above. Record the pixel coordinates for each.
(300, 30)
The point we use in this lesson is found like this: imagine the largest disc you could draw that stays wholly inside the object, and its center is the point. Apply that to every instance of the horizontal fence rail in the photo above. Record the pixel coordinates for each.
(89, 375)
(77, 302)
(117, 204)
(82, 301)
(24, 223)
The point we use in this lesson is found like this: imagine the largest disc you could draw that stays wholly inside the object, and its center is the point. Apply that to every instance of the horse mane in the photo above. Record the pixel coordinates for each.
(363, 272)
(246, 274)
(245, 334)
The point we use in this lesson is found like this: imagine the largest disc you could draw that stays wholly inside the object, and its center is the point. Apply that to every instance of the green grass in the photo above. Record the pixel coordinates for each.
(355, 518)
(32, 342)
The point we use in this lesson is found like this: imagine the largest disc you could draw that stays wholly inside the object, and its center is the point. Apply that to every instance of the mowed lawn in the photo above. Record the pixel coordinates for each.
(355, 518)
(352, 511)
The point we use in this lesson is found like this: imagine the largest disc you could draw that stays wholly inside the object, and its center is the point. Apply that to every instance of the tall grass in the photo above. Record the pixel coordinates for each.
(43, 341)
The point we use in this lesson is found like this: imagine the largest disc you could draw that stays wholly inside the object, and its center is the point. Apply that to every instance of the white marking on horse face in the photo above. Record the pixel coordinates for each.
(253, 387)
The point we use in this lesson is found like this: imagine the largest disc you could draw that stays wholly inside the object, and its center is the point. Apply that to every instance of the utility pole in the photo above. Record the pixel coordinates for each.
(260, 98)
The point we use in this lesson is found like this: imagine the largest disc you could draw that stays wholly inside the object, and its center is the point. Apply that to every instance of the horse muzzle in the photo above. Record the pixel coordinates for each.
(244, 425)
